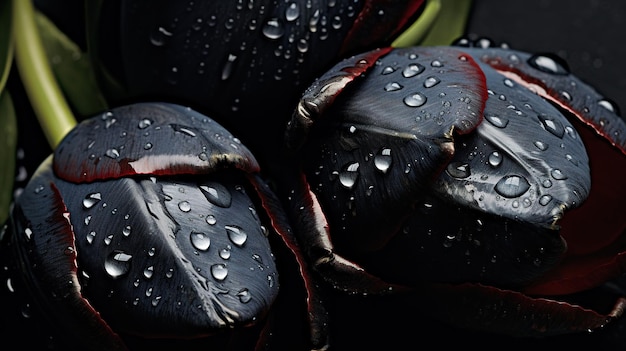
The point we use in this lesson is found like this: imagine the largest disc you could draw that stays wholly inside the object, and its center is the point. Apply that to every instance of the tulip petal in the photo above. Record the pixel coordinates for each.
(148, 138)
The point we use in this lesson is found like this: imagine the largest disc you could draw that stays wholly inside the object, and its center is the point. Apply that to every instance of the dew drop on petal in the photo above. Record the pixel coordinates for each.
(382, 161)
(458, 169)
(200, 241)
(244, 295)
(219, 271)
(415, 100)
(91, 200)
(117, 264)
(237, 235)
(349, 175)
(512, 186)
(216, 194)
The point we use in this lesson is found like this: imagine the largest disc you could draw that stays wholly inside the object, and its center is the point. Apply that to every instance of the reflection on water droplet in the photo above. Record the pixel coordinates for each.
(412, 70)
(349, 175)
(225, 252)
(273, 29)
(91, 236)
(393, 86)
(210, 219)
(431, 82)
(216, 194)
(512, 186)
(541, 145)
(497, 121)
(148, 272)
(228, 66)
(292, 12)
(557, 174)
(545, 199)
(458, 170)
(184, 206)
(200, 241)
(495, 159)
(237, 235)
(552, 125)
(244, 295)
(91, 199)
(126, 231)
(415, 100)
(219, 271)
(144, 123)
(547, 64)
(112, 153)
(382, 161)
(117, 263)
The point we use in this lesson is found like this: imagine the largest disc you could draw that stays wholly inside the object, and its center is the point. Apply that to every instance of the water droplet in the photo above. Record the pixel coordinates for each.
(225, 252)
(91, 200)
(179, 128)
(547, 64)
(210, 219)
(552, 125)
(273, 29)
(160, 36)
(200, 241)
(126, 231)
(244, 295)
(292, 12)
(495, 159)
(349, 175)
(458, 170)
(415, 100)
(112, 153)
(512, 186)
(558, 174)
(431, 82)
(436, 63)
(609, 105)
(393, 86)
(412, 70)
(387, 70)
(117, 263)
(184, 206)
(237, 235)
(541, 145)
(144, 123)
(545, 199)
(148, 272)
(382, 161)
(497, 121)
(91, 236)
(228, 66)
(219, 271)
(216, 194)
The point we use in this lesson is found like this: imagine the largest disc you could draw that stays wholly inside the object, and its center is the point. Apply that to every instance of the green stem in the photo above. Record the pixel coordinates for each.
(53, 112)
(418, 30)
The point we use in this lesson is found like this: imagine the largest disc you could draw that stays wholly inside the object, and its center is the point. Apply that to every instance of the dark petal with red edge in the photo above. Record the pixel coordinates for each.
(250, 67)
(46, 250)
(181, 257)
(148, 138)
(595, 229)
(386, 136)
(525, 162)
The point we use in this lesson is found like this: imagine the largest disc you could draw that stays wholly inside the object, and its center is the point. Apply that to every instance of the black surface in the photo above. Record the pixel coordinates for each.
(590, 35)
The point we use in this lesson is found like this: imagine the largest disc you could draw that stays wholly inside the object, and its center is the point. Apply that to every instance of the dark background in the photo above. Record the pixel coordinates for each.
(589, 34)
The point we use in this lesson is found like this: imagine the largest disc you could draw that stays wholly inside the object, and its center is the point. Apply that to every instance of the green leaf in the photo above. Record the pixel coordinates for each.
(6, 42)
(441, 23)
(8, 145)
(72, 69)
(51, 108)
